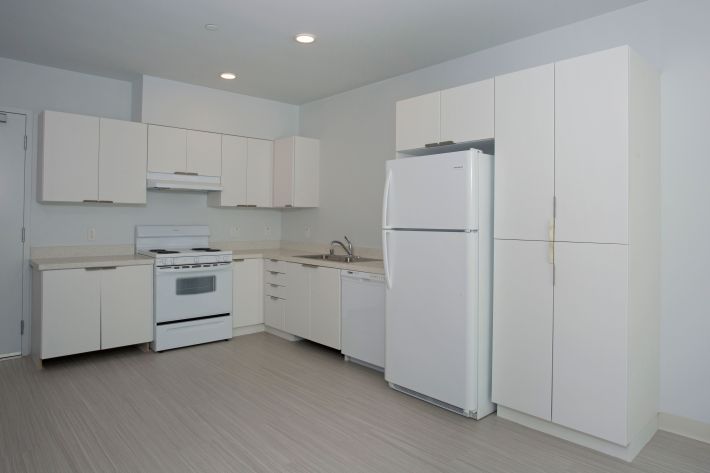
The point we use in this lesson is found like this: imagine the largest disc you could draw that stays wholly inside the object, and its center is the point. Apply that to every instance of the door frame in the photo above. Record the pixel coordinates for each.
(30, 164)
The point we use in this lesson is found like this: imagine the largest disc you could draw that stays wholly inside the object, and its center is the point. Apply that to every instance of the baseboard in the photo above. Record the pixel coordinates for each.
(684, 426)
(248, 330)
(279, 333)
(627, 453)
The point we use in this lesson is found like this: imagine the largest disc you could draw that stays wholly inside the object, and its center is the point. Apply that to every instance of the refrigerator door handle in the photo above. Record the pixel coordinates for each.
(386, 198)
(385, 258)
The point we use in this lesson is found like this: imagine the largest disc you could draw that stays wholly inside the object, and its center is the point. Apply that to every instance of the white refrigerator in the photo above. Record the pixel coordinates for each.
(437, 242)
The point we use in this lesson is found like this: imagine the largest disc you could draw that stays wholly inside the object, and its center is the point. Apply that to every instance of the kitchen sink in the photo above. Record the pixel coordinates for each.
(339, 258)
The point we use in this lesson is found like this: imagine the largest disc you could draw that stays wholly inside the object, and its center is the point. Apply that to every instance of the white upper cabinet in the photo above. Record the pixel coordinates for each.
(418, 121)
(296, 166)
(525, 154)
(204, 153)
(90, 159)
(234, 173)
(167, 149)
(455, 115)
(68, 157)
(467, 112)
(122, 161)
(592, 147)
(260, 172)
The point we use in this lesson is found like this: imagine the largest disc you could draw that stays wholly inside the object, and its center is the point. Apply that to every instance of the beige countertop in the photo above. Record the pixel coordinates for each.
(291, 256)
(78, 262)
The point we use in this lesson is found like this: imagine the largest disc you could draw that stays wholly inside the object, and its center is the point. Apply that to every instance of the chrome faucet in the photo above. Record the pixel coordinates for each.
(348, 249)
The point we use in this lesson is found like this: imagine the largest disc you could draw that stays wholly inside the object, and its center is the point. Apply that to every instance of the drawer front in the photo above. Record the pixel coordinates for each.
(272, 289)
(274, 277)
(274, 312)
(275, 265)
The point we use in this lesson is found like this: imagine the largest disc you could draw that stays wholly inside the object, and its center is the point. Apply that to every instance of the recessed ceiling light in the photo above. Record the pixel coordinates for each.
(228, 75)
(305, 38)
(211, 27)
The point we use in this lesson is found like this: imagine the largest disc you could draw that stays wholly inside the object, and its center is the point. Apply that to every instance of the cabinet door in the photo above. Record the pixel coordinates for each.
(590, 374)
(325, 306)
(525, 154)
(284, 151)
(418, 121)
(234, 173)
(306, 172)
(248, 292)
(167, 149)
(71, 312)
(274, 312)
(122, 161)
(297, 301)
(522, 327)
(69, 157)
(467, 112)
(592, 149)
(126, 306)
(260, 172)
(204, 153)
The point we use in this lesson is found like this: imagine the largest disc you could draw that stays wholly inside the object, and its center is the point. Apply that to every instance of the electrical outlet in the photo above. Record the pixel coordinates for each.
(267, 230)
(234, 231)
(91, 234)
(307, 231)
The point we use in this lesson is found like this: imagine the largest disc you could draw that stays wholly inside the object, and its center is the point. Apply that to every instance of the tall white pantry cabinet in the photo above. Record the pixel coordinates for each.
(577, 249)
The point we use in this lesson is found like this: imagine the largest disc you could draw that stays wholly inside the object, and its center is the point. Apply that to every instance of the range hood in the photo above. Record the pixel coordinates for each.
(182, 182)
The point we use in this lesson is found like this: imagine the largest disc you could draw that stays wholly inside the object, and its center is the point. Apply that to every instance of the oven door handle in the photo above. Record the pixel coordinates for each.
(208, 269)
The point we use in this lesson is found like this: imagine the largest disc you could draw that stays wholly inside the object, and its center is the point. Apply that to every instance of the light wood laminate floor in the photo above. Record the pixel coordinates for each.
(261, 404)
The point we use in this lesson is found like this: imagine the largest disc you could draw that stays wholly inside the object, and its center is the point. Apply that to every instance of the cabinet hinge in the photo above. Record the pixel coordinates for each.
(23, 234)
(25, 142)
(22, 327)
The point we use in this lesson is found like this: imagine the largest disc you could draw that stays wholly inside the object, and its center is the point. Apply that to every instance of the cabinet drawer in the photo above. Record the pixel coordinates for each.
(275, 277)
(275, 265)
(272, 289)
(274, 312)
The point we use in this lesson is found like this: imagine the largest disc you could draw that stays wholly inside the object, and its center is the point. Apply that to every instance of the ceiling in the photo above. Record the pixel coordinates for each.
(359, 41)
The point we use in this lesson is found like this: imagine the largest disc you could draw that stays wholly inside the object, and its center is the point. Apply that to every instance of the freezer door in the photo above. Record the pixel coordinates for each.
(432, 192)
(431, 317)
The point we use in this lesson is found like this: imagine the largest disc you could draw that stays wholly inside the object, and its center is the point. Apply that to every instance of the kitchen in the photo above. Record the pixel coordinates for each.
(351, 181)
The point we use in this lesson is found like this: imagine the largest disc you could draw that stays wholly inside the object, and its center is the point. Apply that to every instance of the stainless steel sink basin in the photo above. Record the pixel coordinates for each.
(339, 258)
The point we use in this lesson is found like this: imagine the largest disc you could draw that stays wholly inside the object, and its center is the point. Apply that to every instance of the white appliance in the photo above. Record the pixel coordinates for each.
(182, 181)
(193, 285)
(438, 250)
(363, 318)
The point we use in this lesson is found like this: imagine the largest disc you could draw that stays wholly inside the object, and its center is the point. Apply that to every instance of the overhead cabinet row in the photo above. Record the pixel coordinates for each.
(91, 159)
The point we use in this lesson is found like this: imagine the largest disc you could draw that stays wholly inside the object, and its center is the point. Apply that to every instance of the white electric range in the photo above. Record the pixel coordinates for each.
(192, 285)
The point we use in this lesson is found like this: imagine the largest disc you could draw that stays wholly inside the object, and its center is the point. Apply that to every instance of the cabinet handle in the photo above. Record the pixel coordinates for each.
(183, 173)
(274, 260)
(288, 205)
(309, 265)
(100, 268)
(93, 201)
(274, 272)
(105, 201)
(240, 260)
(440, 143)
(246, 205)
(431, 145)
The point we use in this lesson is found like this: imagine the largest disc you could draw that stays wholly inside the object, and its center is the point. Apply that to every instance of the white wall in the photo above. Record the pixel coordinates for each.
(35, 88)
(356, 129)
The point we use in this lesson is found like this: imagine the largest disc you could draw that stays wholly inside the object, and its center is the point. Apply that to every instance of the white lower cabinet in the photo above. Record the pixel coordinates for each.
(247, 292)
(325, 306)
(275, 312)
(297, 300)
(88, 309)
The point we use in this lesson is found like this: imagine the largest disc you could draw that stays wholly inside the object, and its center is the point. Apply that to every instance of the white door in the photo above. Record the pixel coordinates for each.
(204, 153)
(592, 147)
(325, 307)
(418, 121)
(68, 157)
(306, 172)
(71, 312)
(12, 190)
(126, 306)
(431, 314)
(467, 112)
(297, 299)
(284, 164)
(431, 192)
(260, 172)
(525, 154)
(590, 339)
(522, 327)
(122, 161)
(248, 292)
(167, 149)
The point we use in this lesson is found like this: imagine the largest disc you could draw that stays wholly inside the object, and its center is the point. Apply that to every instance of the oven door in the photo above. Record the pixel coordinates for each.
(193, 291)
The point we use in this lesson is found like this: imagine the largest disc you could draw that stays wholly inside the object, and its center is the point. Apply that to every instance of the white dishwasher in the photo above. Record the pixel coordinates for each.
(363, 318)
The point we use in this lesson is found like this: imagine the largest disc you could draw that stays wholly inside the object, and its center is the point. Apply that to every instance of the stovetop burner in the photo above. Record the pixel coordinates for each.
(161, 251)
(209, 250)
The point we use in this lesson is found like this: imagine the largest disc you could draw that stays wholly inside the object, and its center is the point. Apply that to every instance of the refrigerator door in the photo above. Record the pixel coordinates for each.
(431, 315)
(432, 192)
